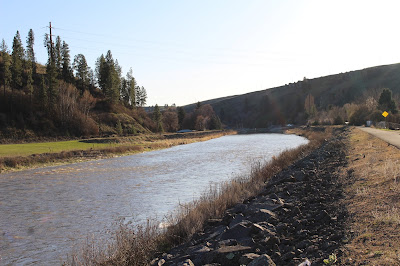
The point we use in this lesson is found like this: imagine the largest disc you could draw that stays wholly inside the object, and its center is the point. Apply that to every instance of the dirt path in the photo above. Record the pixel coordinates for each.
(392, 137)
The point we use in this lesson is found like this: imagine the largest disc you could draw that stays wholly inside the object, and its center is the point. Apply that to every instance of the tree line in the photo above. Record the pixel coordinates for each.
(64, 89)
(68, 97)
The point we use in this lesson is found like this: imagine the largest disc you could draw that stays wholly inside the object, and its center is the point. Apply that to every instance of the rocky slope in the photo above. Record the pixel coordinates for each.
(297, 216)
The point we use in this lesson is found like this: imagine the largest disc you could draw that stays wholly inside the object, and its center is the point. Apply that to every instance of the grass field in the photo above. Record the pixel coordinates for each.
(26, 149)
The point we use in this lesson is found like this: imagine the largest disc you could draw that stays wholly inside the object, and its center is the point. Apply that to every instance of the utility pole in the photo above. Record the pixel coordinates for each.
(51, 45)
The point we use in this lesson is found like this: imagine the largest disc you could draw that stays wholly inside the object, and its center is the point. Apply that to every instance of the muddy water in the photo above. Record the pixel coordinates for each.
(45, 213)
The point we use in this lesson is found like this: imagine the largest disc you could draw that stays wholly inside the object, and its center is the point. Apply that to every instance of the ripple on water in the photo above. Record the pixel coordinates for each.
(45, 212)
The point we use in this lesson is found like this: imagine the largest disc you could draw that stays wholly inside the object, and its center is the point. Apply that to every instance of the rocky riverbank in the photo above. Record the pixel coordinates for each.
(297, 216)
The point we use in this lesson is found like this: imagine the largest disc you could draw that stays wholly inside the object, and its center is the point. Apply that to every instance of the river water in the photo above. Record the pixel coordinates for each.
(46, 212)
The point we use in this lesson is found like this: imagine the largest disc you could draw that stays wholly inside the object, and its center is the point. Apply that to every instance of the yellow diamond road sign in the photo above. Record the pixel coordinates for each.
(385, 114)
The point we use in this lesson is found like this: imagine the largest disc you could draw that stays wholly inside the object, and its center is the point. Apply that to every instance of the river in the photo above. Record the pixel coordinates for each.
(46, 212)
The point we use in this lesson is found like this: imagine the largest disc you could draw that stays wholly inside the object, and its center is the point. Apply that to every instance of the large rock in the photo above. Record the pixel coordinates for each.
(263, 260)
(239, 231)
(187, 262)
(263, 215)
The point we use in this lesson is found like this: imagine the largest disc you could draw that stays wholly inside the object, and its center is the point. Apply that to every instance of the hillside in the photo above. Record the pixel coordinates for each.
(286, 104)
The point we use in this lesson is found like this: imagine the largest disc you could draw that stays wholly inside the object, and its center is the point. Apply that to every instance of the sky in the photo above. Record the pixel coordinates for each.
(183, 52)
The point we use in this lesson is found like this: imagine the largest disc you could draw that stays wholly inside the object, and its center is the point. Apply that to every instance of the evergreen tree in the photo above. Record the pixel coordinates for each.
(157, 118)
(181, 116)
(198, 105)
(17, 58)
(42, 95)
(82, 71)
(130, 88)
(141, 96)
(30, 53)
(51, 73)
(215, 122)
(29, 82)
(58, 56)
(386, 102)
(108, 76)
(101, 74)
(118, 128)
(6, 71)
(113, 79)
(66, 71)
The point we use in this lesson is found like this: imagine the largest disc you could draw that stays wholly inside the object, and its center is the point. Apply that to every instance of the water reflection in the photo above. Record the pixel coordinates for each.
(44, 212)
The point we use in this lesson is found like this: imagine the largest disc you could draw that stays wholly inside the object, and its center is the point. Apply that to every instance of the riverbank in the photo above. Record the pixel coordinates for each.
(16, 157)
(296, 216)
(136, 246)
(334, 201)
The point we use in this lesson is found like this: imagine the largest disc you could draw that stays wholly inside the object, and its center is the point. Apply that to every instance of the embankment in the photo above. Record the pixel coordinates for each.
(247, 218)
(296, 216)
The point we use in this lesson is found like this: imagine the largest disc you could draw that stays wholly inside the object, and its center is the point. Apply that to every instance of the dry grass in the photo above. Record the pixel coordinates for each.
(373, 201)
(191, 217)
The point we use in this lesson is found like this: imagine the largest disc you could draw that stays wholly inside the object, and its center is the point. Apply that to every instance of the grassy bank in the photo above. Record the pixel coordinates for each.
(27, 155)
(136, 246)
(373, 187)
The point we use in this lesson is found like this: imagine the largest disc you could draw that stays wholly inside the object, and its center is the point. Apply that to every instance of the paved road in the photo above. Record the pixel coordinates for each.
(392, 137)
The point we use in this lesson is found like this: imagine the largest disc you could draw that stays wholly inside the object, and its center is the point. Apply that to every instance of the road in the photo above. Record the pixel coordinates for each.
(392, 137)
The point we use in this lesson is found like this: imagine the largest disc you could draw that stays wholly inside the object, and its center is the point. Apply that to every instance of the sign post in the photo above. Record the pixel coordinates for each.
(385, 114)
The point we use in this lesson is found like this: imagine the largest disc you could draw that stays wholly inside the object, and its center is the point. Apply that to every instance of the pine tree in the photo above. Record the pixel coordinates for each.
(17, 58)
(30, 53)
(58, 56)
(386, 102)
(51, 73)
(66, 71)
(108, 76)
(113, 79)
(42, 95)
(181, 116)
(141, 96)
(29, 82)
(6, 65)
(157, 118)
(82, 71)
(101, 74)
(130, 88)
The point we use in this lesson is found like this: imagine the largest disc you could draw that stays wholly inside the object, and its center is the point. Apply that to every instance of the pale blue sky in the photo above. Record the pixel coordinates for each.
(188, 51)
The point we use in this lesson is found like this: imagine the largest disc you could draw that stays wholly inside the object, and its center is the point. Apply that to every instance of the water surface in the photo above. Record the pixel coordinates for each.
(45, 212)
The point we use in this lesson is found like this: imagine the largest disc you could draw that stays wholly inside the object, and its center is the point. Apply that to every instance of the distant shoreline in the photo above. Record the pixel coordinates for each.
(114, 146)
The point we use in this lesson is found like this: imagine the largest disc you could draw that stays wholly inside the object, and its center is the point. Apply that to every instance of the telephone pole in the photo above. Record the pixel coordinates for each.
(51, 44)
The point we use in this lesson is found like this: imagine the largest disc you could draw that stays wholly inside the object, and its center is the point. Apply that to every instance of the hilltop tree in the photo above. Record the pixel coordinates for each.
(17, 58)
(66, 71)
(82, 71)
(6, 68)
(51, 73)
(100, 73)
(141, 96)
(58, 56)
(128, 85)
(108, 76)
(131, 85)
(112, 78)
(30, 53)
(386, 102)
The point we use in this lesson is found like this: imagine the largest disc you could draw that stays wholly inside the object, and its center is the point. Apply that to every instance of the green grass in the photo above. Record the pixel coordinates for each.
(10, 150)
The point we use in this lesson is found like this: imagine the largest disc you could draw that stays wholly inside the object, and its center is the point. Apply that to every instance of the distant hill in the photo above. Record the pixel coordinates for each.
(285, 104)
